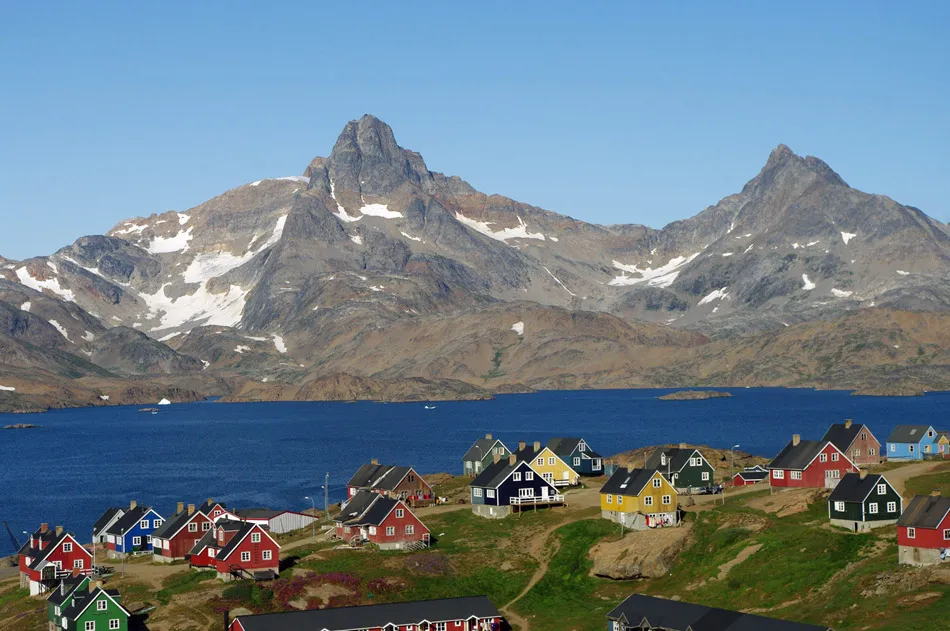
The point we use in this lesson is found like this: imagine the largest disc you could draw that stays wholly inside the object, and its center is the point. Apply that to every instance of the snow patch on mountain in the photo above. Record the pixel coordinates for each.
(183, 219)
(88, 336)
(177, 243)
(240, 349)
(26, 306)
(51, 284)
(279, 344)
(131, 228)
(662, 276)
(59, 327)
(199, 308)
(557, 280)
(410, 237)
(716, 294)
(518, 232)
(379, 210)
(839, 293)
(210, 265)
(900, 271)
(807, 284)
(7, 389)
(847, 236)
(518, 327)
(357, 239)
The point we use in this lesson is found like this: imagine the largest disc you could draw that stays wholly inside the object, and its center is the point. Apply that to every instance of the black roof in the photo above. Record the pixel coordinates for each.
(356, 506)
(676, 457)
(373, 616)
(206, 506)
(495, 473)
(627, 481)
(171, 526)
(925, 511)
(680, 616)
(242, 528)
(852, 488)
(208, 540)
(38, 535)
(366, 509)
(103, 521)
(127, 521)
(527, 454)
(378, 476)
(81, 601)
(753, 475)
(841, 436)
(378, 511)
(908, 433)
(66, 587)
(797, 456)
(481, 448)
(565, 447)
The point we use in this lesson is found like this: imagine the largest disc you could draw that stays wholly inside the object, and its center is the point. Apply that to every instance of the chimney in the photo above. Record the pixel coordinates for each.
(935, 493)
(133, 504)
(93, 586)
(537, 446)
(863, 473)
(375, 461)
(521, 445)
(181, 508)
(497, 458)
(512, 459)
(59, 530)
(847, 423)
(210, 501)
(191, 509)
(796, 438)
(682, 445)
(44, 527)
(487, 436)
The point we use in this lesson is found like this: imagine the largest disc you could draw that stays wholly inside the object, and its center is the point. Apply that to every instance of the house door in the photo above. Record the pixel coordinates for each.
(544, 492)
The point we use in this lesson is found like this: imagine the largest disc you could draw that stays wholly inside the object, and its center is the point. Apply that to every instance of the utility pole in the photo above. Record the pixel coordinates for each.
(732, 466)
(313, 524)
(326, 496)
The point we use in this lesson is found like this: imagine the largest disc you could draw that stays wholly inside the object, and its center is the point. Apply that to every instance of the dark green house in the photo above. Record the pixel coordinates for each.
(61, 598)
(482, 453)
(96, 610)
(861, 502)
(683, 467)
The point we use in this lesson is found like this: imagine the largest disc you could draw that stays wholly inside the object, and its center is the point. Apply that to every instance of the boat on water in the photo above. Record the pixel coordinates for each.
(430, 407)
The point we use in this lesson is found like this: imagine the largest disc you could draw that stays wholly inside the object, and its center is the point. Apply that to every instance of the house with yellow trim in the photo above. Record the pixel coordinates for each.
(547, 464)
(639, 499)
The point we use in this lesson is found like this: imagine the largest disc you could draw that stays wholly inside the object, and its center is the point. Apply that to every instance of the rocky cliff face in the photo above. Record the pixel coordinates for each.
(334, 270)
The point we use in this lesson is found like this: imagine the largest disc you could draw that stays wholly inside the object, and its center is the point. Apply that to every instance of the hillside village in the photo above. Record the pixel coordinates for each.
(529, 536)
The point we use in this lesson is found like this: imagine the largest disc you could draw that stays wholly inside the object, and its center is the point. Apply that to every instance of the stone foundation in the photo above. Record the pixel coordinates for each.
(862, 526)
(491, 512)
(918, 556)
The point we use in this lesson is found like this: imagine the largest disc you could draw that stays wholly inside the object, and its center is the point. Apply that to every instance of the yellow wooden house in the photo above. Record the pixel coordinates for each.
(547, 464)
(639, 499)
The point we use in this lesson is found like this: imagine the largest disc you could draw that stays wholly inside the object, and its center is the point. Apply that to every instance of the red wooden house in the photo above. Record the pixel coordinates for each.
(50, 555)
(174, 539)
(923, 530)
(856, 441)
(243, 550)
(384, 521)
(809, 463)
(401, 483)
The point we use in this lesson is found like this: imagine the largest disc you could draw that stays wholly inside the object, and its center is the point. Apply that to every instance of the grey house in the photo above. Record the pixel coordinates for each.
(482, 453)
(861, 502)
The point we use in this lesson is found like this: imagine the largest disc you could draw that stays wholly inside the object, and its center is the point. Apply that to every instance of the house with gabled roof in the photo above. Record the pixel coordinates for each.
(639, 499)
(508, 485)
(547, 464)
(96, 609)
(172, 540)
(109, 517)
(857, 441)
(809, 463)
(277, 522)
(578, 453)
(244, 550)
(132, 533)
(861, 502)
(386, 522)
(60, 598)
(750, 475)
(923, 530)
(482, 453)
(49, 556)
(467, 613)
(392, 481)
(684, 467)
(640, 612)
(911, 442)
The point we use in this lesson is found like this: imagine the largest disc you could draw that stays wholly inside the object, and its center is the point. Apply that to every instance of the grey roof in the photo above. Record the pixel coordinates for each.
(925, 511)
(627, 481)
(495, 473)
(366, 509)
(127, 521)
(757, 467)
(908, 433)
(242, 528)
(47, 537)
(378, 476)
(676, 457)
(208, 540)
(258, 513)
(373, 616)
(797, 456)
(851, 488)
(528, 453)
(206, 506)
(680, 616)
(171, 525)
(103, 521)
(378, 511)
(565, 447)
(50, 540)
(356, 506)
(65, 588)
(842, 436)
(481, 448)
(753, 475)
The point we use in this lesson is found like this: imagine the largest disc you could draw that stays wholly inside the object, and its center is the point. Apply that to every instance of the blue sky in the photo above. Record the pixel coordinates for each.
(623, 112)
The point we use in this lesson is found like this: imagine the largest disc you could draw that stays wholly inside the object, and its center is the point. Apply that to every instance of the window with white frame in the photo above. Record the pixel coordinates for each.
(529, 476)
(67, 547)
(245, 556)
(881, 489)
(911, 448)
(490, 494)
(90, 625)
(193, 527)
(476, 492)
(552, 460)
(892, 507)
(870, 451)
(57, 610)
(266, 555)
(390, 531)
(410, 529)
(78, 564)
(540, 462)
(657, 483)
(205, 527)
(136, 541)
(143, 523)
(796, 475)
(114, 623)
(648, 500)
(610, 498)
(620, 499)
(946, 535)
(102, 604)
(440, 626)
(372, 530)
(596, 465)
(400, 513)
(525, 492)
(516, 476)
(822, 457)
(148, 539)
(211, 552)
(255, 537)
(893, 447)
(834, 456)
(839, 507)
(157, 522)
(872, 508)
(705, 476)
(577, 461)
(911, 533)
(667, 499)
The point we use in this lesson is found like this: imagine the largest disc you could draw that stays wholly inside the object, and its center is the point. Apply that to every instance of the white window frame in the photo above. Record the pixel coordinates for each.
(67, 547)
(266, 555)
(90, 625)
(540, 461)
(667, 499)
(577, 461)
(657, 483)
(390, 531)
(946, 535)
(114, 623)
(882, 489)
(872, 508)
(892, 507)
(648, 500)
(529, 476)
(610, 498)
(892, 446)
(410, 529)
(526, 492)
(136, 541)
(705, 476)
(778, 474)
(516, 476)
(79, 564)
(255, 537)
(400, 513)
(552, 461)
(911, 448)
(193, 526)
(911, 533)
(102, 604)
(476, 492)
(490, 494)
(834, 456)
(245, 557)
(157, 522)
(143, 524)
(796, 475)
(206, 526)
(619, 500)
(839, 507)
(822, 457)
(870, 451)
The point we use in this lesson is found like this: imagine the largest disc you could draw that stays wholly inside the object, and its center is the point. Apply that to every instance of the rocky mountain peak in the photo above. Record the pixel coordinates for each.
(787, 174)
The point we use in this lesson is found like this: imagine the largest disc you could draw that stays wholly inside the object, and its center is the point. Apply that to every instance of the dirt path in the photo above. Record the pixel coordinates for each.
(899, 477)
(536, 551)
(744, 554)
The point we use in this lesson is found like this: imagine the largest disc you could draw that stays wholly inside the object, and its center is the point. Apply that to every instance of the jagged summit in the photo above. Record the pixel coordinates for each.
(784, 166)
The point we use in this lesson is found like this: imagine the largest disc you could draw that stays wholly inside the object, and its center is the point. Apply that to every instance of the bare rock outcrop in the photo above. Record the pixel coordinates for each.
(644, 554)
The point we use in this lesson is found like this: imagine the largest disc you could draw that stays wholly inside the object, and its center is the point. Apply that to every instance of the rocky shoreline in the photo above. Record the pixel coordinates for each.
(695, 395)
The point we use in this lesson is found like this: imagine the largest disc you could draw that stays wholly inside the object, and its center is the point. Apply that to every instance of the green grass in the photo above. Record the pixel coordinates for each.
(924, 484)
(181, 583)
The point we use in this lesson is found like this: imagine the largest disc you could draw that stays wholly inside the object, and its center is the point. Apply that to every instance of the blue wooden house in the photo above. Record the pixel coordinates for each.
(509, 484)
(911, 442)
(578, 455)
(132, 533)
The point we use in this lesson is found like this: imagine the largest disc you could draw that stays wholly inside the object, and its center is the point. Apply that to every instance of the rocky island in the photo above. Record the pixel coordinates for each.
(22, 426)
(694, 395)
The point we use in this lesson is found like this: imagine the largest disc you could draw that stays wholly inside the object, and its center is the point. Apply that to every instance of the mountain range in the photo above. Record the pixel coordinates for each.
(370, 276)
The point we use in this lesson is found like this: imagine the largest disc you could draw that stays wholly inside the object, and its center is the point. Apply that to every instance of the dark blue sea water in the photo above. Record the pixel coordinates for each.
(274, 454)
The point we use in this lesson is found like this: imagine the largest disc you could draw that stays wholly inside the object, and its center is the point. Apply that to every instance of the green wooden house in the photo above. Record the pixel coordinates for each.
(96, 610)
(861, 502)
(683, 467)
(61, 598)
(482, 453)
